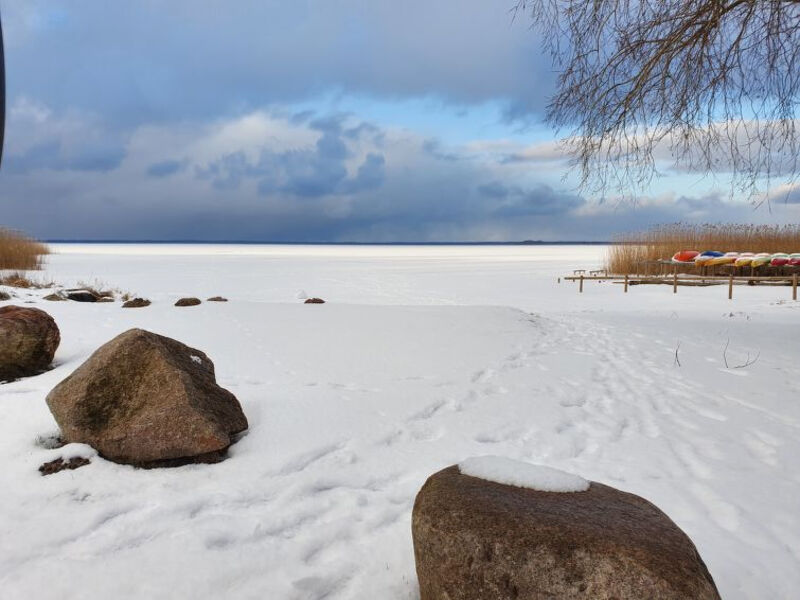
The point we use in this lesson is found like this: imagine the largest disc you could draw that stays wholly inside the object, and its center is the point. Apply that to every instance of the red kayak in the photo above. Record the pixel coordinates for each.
(685, 256)
(779, 261)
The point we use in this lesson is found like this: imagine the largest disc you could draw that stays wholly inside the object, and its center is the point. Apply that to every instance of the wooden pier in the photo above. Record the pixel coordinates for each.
(676, 280)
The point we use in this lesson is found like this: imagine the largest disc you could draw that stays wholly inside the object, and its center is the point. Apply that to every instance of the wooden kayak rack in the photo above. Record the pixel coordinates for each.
(676, 280)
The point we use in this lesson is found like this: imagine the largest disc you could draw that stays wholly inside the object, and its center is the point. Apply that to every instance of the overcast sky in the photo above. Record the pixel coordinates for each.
(301, 120)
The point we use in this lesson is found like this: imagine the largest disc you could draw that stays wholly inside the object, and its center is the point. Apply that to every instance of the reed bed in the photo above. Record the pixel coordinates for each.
(630, 253)
(20, 252)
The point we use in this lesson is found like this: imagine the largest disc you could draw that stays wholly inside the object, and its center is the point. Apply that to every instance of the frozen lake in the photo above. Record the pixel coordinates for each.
(423, 356)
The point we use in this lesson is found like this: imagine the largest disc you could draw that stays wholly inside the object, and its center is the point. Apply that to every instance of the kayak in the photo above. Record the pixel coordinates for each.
(779, 259)
(685, 256)
(794, 259)
(744, 260)
(707, 256)
(761, 259)
(726, 259)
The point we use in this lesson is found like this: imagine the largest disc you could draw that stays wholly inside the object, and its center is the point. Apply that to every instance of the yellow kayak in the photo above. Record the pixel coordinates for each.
(761, 259)
(727, 259)
(744, 260)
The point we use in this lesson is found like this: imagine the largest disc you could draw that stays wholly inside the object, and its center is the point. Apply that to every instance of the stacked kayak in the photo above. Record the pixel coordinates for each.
(779, 259)
(711, 258)
(704, 258)
(728, 258)
(685, 256)
(761, 259)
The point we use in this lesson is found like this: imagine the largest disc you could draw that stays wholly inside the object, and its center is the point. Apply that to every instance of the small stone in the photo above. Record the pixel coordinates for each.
(314, 301)
(54, 466)
(217, 299)
(4, 296)
(81, 296)
(136, 303)
(54, 298)
(188, 302)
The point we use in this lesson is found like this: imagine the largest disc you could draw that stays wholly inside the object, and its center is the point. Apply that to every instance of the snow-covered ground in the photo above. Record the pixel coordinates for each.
(422, 357)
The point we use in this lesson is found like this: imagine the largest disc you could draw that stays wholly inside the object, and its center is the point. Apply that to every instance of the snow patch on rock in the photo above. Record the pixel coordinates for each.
(520, 474)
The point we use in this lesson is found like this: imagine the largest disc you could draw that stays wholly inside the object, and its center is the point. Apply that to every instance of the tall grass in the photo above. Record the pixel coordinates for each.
(630, 252)
(19, 252)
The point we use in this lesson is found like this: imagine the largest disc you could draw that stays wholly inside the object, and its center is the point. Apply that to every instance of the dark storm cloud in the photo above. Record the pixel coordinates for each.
(138, 62)
(516, 201)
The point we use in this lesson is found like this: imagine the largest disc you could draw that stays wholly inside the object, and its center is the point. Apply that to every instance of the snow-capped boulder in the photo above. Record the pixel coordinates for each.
(476, 539)
(29, 338)
(147, 400)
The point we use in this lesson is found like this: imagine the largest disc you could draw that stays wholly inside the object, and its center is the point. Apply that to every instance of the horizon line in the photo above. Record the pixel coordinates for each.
(349, 243)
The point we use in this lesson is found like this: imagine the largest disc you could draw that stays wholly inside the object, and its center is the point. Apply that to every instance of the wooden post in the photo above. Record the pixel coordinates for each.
(675, 283)
(626, 284)
(794, 286)
(580, 288)
(730, 287)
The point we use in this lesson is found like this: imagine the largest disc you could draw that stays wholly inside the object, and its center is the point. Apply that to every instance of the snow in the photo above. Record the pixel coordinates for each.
(422, 356)
(521, 474)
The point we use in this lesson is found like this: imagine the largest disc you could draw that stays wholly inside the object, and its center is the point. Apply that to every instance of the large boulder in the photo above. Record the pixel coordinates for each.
(29, 338)
(476, 539)
(147, 400)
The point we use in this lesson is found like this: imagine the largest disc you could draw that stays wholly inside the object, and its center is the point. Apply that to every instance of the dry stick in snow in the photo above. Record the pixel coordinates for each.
(746, 363)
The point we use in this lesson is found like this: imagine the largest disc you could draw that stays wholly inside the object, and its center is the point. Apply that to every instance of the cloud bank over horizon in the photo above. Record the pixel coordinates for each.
(307, 123)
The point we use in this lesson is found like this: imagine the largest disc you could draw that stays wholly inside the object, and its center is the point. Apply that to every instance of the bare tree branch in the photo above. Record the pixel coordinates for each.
(708, 85)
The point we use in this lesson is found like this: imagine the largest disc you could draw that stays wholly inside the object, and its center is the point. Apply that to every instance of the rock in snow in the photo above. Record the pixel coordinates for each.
(314, 301)
(144, 399)
(136, 303)
(82, 296)
(188, 302)
(29, 338)
(480, 540)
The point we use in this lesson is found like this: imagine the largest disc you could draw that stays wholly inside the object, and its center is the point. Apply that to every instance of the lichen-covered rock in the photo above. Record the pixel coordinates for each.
(314, 301)
(29, 338)
(479, 540)
(217, 299)
(147, 400)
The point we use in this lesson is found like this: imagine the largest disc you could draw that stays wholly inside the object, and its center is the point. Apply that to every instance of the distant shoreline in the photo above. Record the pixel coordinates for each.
(274, 243)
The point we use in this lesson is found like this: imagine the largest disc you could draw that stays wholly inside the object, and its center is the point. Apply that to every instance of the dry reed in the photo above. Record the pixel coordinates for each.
(19, 252)
(631, 252)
